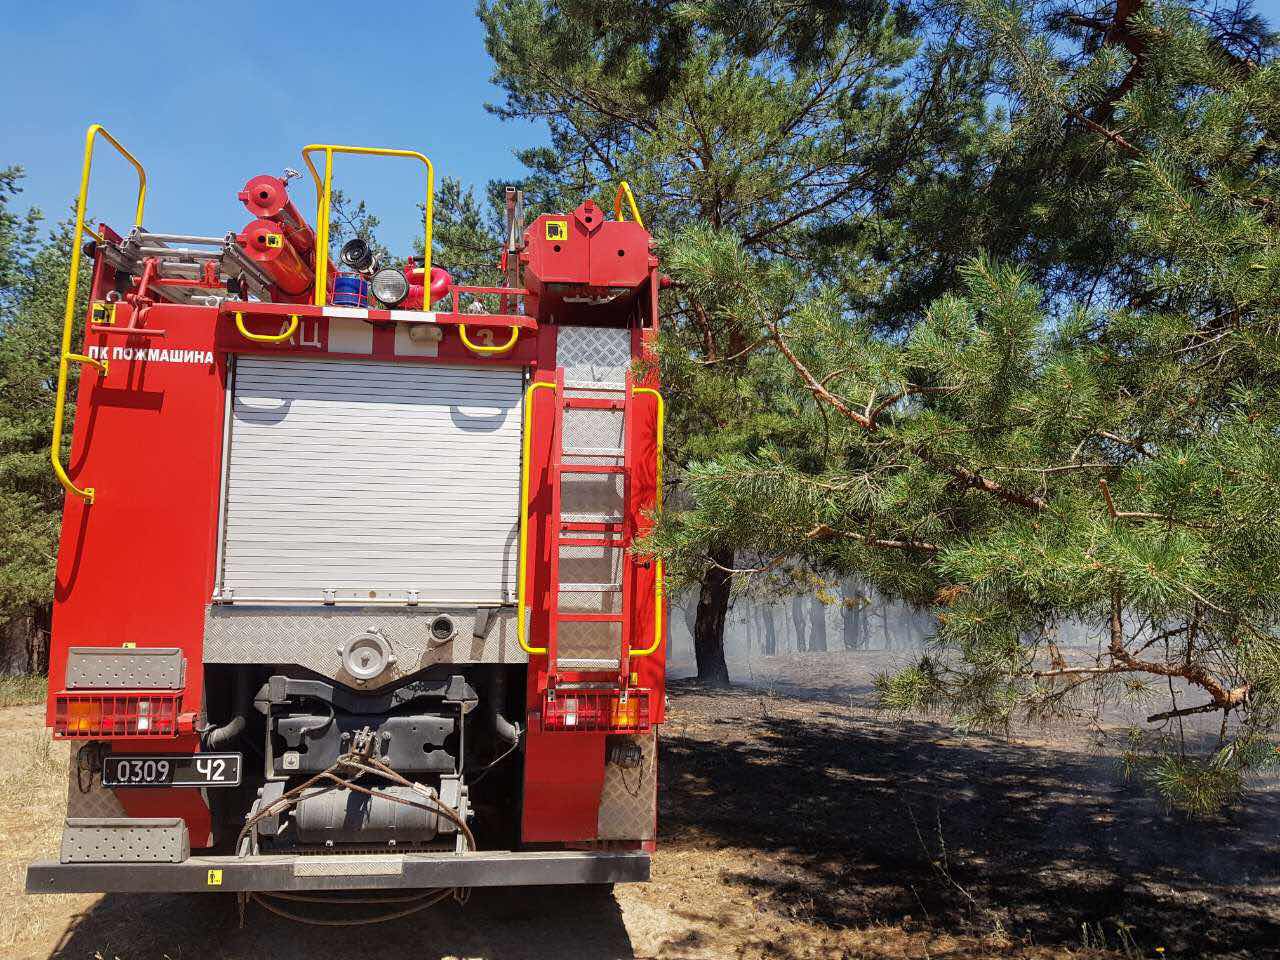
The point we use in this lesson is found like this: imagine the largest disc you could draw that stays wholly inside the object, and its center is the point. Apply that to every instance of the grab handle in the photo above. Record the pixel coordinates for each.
(267, 337)
(481, 348)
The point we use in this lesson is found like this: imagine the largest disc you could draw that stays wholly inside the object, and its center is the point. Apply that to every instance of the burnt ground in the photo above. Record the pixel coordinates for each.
(796, 823)
(857, 820)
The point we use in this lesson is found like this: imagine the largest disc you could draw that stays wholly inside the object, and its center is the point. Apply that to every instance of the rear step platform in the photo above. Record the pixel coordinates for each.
(267, 873)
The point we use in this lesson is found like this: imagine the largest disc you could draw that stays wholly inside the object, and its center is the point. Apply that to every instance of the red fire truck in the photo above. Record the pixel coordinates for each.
(347, 592)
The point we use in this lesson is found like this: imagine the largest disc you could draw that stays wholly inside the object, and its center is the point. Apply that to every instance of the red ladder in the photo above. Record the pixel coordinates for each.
(609, 533)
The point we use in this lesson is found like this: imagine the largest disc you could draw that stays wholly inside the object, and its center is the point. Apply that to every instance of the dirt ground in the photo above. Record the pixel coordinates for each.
(796, 823)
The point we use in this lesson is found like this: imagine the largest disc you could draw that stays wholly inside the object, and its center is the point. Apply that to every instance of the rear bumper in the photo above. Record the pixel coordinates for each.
(341, 872)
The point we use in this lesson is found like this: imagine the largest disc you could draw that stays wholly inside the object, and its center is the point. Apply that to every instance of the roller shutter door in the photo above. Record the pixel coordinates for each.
(354, 480)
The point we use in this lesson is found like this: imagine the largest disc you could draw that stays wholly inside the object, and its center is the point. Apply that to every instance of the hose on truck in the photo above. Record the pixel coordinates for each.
(215, 738)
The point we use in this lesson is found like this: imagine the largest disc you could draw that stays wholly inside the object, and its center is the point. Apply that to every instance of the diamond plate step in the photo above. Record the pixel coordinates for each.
(586, 663)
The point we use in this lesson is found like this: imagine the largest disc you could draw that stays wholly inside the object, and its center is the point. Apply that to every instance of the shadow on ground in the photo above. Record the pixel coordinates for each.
(497, 924)
(859, 820)
(811, 827)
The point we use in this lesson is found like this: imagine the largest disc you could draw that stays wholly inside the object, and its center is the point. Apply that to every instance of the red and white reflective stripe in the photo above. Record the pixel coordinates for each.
(380, 316)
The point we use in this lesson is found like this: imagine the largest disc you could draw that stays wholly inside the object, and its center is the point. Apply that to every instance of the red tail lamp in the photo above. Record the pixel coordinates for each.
(596, 711)
(100, 715)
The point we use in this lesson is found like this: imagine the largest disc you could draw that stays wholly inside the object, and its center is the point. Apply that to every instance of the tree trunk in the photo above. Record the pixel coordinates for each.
(818, 625)
(797, 621)
(24, 641)
(708, 629)
(770, 631)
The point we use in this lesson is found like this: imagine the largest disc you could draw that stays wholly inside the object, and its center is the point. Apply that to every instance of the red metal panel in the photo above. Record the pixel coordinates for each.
(311, 338)
(564, 773)
(136, 566)
(619, 255)
(558, 251)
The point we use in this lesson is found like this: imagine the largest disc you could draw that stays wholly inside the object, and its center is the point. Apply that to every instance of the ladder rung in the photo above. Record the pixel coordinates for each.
(593, 452)
(589, 385)
(592, 468)
(590, 617)
(593, 403)
(586, 663)
(618, 544)
(589, 587)
(603, 525)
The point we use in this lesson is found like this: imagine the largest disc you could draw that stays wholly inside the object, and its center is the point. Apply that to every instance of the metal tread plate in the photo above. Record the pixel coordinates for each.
(117, 840)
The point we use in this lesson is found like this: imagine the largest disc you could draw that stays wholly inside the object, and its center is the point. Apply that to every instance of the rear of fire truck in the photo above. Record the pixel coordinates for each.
(347, 592)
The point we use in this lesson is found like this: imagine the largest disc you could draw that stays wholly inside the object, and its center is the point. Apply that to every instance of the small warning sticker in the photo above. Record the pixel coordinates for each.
(215, 878)
(557, 229)
(274, 240)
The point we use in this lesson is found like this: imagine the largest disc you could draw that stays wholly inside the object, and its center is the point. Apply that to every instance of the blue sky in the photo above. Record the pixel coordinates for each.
(210, 94)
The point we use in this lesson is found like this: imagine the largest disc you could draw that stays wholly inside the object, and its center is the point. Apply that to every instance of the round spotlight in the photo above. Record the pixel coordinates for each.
(356, 255)
(390, 286)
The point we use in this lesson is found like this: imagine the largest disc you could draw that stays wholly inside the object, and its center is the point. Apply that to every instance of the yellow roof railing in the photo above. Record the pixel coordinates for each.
(324, 199)
(624, 190)
(65, 354)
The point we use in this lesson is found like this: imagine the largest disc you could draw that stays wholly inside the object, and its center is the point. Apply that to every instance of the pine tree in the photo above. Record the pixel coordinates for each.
(33, 281)
(786, 124)
(1028, 460)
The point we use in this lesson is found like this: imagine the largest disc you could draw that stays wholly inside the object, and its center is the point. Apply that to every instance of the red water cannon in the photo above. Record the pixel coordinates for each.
(267, 198)
(268, 247)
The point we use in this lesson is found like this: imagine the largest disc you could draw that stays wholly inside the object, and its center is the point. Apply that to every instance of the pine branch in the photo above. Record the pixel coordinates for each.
(1194, 673)
(970, 478)
(1210, 707)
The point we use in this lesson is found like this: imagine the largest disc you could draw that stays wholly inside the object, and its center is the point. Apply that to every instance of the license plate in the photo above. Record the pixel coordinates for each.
(165, 770)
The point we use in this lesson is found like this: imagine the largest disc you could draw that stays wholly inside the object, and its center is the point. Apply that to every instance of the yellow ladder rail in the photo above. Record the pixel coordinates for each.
(65, 355)
(324, 200)
(657, 572)
(523, 565)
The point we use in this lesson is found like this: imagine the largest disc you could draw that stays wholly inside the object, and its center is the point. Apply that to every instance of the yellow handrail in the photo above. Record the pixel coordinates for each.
(657, 578)
(267, 337)
(65, 355)
(324, 198)
(522, 566)
(624, 188)
(481, 348)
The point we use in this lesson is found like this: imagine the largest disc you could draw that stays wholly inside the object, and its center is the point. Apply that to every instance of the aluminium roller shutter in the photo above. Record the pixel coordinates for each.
(371, 480)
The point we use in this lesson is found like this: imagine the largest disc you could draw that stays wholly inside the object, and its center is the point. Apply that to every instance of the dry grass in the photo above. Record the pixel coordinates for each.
(33, 779)
(22, 689)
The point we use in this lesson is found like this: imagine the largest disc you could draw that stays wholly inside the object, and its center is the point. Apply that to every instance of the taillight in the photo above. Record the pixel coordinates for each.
(593, 710)
(94, 715)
